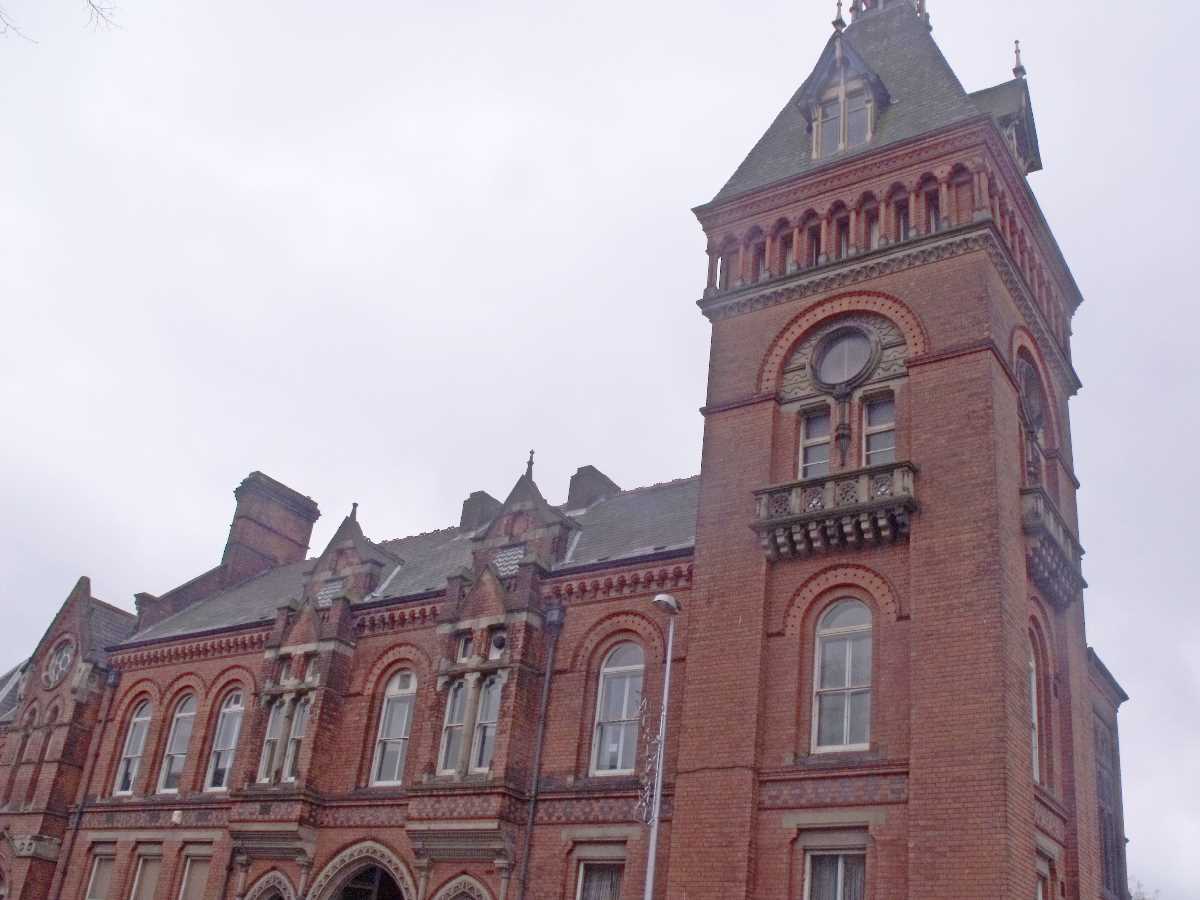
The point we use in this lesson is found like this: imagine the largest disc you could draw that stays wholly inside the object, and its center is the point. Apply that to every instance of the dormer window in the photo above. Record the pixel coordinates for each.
(843, 119)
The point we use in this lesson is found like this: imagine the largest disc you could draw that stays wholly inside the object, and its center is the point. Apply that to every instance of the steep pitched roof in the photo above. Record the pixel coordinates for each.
(924, 92)
(629, 525)
(8, 692)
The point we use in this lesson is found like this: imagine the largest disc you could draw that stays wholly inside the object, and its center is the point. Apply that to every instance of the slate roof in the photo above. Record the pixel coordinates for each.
(629, 525)
(8, 692)
(925, 95)
(109, 625)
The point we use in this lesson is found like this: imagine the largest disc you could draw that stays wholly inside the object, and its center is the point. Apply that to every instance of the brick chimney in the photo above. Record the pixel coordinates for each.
(271, 526)
(478, 509)
(588, 485)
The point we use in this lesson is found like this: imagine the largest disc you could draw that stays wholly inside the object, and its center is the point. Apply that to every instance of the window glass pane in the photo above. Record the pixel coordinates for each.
(845, 358)
(181, 736)
(881, 412)
(857, 119)
(600, 881)
(846, 614)
(485, 741)
(831, 127)
(860, 660)
(390, 758)
(489, 703)
(454, 707)
(854, 877)
(452, 745)
(823, 874)
(831, 719)
(816, 426)
(396, 717)
(881, 447)
(625, 655)
(194, 880)
(833, 662)
(860, 718)
(102, 870)
(147, 878)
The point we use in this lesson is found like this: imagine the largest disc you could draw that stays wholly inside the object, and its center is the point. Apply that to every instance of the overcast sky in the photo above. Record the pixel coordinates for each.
(379, 250)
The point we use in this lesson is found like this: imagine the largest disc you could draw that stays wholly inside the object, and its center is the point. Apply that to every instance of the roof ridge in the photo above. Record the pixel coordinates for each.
(409, 537)
(659, 484)
(113, 607)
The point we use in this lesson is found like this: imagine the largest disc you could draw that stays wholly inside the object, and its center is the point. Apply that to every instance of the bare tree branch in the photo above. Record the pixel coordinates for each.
(8, 26)
(101, 14)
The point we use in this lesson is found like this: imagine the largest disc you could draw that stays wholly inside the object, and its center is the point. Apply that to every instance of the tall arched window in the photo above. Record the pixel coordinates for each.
(618, 705)
(135, 743)
(291, 761)
(842, 695)
(1035, 735)
(229, 726)
(395, 725)
(485, 726)
(452, 728)
(177, 745)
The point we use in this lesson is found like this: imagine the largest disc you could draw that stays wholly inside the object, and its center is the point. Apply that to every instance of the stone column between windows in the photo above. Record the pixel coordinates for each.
(914, 222)
(713, 261)
(798, 246)
(855, 239)
(470, 711)
(290, 701)
(769, 252)
(823, 249)
(741, 265)
(945, 207)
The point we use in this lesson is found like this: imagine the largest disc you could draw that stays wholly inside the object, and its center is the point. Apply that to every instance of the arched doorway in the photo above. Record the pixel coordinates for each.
(371, 883)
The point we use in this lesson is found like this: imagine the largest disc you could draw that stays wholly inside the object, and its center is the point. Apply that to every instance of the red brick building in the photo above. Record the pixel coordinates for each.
(881, 683)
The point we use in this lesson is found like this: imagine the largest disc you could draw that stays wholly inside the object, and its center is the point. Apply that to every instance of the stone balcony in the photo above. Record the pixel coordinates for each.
(859, 508)
(1052, 554)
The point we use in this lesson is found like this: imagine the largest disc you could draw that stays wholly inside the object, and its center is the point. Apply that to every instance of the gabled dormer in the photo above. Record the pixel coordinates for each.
(841, 100)
(525, 528)
(350, 566)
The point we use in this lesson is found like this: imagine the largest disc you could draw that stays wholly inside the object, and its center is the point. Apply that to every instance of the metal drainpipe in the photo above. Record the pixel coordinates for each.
(110, 683)
(554, 621)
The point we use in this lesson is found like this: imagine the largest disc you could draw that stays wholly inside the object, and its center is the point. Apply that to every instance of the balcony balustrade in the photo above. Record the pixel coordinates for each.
(863, 507)
(1052, 554)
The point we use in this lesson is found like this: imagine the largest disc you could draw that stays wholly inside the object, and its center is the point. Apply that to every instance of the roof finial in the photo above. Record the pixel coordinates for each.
(529, 466)
(353, 512)
(1018, 69)
(839, 24)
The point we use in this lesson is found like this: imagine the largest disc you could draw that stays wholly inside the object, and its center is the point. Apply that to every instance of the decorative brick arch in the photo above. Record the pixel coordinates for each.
(353, 860)
(394, 658)
(464, 887)
(612, 626)
(274, 882)
(906, 320)
(866, 580)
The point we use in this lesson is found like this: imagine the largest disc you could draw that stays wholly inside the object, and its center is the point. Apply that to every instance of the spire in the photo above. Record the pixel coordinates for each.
(1018, 69)
(529, 466)
(353, 512)
(839, 24)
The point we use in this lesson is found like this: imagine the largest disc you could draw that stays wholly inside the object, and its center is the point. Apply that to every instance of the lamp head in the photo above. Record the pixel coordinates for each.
(667, 603)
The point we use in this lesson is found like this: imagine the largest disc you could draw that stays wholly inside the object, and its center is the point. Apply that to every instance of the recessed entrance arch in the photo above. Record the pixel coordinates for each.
(364, 871)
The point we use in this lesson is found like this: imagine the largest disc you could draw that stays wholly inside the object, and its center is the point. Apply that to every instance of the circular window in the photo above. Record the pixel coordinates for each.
(845, 357)
(59, 663)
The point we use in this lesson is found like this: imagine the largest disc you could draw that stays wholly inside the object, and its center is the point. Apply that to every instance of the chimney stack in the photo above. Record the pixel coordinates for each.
(271, 526)
(589, 485)
(478, 509)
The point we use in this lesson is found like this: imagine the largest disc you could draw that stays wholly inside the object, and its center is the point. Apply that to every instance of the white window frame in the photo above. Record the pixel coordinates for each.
(98, 858)
(167, 754)
(130, 761)
(137, 877)
(271, 740)
(607, 673)
(868, 430)
(187, 871)
(841, 854)
(482, 724)
(583, 866)
(459, 687)
(840, 93)
(295, 740)
(823, 634)
(394, 694)
(464, 647)
(233, 702)
(806, 442)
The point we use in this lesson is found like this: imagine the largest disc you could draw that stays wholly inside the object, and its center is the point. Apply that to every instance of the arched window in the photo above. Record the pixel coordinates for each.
(395, 725)
(291, 762)
(266, 762)
(177, 745)
(229, 726)
(842, 694)
(485, 726)
(618, 706)
(452, 727)
(135, 743)
(1034, 717)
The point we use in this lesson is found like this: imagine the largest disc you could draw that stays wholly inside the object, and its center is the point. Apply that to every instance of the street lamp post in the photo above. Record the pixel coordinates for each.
(669, 604)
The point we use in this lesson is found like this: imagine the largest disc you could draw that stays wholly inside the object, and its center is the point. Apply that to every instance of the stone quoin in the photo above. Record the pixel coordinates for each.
(881, 684)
